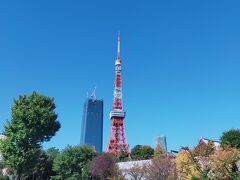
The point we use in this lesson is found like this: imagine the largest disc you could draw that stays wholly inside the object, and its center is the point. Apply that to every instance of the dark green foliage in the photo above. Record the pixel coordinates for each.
(19, 157)
(52, 153)
(35, 118)
(33, 121)
(42, 169)
(231, 139)
(72, 162)
(140, 152)
(123, 156)
(4, 177)
(1, 166)
(202, 178)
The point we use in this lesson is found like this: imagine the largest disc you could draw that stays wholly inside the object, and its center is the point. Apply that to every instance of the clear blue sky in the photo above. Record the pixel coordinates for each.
(181, 64)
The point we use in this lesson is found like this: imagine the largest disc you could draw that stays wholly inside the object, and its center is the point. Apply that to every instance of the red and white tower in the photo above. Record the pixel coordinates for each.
(117, 140)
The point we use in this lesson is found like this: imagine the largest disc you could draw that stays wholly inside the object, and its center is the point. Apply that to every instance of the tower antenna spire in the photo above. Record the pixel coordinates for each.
(118, 48)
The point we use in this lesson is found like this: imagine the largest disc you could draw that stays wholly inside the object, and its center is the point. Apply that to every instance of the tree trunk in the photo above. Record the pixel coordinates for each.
(19, 176)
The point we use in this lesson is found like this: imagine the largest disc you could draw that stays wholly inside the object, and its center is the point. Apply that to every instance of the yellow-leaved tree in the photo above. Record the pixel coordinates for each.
(159, 151)
(185, 166)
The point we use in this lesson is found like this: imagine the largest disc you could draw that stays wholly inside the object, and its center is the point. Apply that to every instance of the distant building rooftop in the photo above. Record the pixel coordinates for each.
(206, 141)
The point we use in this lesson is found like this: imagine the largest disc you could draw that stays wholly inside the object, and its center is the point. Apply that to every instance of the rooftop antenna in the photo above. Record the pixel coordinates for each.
(93, 95)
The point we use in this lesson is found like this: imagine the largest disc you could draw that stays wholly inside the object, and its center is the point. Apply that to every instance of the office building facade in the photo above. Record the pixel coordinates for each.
(92, 124)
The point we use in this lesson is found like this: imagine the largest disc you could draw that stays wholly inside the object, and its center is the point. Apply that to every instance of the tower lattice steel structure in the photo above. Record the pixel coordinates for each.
(117, 140)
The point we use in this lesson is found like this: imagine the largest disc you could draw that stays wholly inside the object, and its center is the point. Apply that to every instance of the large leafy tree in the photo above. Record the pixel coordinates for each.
(42, 169)
(140, 152)
(231, 139)
(33, 121)
(73, 162)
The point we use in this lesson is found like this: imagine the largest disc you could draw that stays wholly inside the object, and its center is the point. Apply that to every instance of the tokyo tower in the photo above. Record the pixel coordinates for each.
(117, 140)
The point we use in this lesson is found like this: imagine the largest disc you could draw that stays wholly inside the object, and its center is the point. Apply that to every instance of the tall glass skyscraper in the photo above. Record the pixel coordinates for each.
(92, 124)
(162, 140)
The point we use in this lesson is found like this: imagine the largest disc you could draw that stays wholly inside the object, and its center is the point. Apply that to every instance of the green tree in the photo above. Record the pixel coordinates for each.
(123, 156)
(33, 121)
(42, 169)
(231, 139)
(52, 153)
(2, 177)
(140, 152)
(72, 162)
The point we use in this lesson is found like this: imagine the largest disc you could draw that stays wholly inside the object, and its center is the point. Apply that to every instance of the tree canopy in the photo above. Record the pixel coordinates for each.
(185, 165)
(140, 152)
(73, 162)
(231, 139)
(123, 156)
(33, 121)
